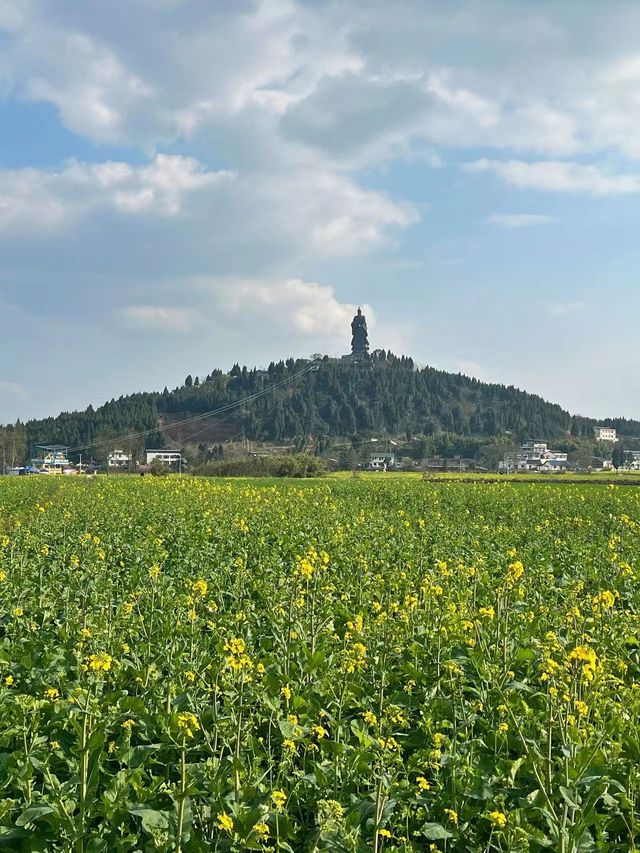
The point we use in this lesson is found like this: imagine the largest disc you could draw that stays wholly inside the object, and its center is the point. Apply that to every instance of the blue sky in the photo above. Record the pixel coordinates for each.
(188, 184)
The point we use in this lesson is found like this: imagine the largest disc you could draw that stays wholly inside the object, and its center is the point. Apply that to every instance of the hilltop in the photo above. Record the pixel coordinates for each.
(386, 395)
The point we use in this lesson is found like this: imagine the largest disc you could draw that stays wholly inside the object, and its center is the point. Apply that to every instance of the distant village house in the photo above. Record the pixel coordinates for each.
(605, 433)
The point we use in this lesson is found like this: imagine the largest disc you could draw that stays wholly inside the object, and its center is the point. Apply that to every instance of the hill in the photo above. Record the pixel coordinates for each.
(383, 396)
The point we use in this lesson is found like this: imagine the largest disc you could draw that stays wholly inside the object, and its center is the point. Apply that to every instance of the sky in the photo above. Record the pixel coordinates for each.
(185, 184)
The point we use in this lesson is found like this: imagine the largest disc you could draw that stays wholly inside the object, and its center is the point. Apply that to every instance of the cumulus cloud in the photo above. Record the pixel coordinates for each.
(299, 307)
(31, 199)
(559, 176)
(519, 220)
(308, 314)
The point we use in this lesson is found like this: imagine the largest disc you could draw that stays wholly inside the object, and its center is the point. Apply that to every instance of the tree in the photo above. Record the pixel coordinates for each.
(188, 382)
(618, 457)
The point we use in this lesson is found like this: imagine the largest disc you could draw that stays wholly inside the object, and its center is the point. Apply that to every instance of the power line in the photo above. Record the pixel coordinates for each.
(249, 399)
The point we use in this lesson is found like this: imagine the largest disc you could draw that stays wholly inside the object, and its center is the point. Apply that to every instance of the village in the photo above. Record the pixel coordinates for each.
(533, 456)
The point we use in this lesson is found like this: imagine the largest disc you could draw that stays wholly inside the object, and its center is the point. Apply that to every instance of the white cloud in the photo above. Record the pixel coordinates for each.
(158, 318)
(31, 199)
(305, 311)
(12, 389)
(299, 307)
(566, 309)
(519, 220)
(559, 176)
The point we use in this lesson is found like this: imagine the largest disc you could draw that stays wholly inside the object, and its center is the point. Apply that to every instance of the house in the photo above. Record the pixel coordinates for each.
(119, 459)
(52, 459)
(634, 460)
(601, 465)
(602, 433)
(534, 456)
(434, 463)
(460, 464)
(172, 458)
(555, 466)
(382, 461)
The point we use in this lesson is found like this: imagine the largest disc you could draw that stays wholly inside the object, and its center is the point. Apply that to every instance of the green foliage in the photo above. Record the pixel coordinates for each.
(191, 665)
(385, 395)
(294, 465)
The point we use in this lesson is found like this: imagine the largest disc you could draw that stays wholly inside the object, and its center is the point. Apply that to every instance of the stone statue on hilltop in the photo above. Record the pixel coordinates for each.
(359, 341)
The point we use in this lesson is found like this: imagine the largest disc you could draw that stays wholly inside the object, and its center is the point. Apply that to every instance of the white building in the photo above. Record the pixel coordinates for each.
(167, 457)
(605, 434)
(535, 456)
(119, 459)
(382, 461)
(52, 459)
(633, 457)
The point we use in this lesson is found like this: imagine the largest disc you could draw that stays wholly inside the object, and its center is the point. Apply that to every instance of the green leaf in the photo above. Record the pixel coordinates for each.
(152, 820)
(33, 812)
(436, 832)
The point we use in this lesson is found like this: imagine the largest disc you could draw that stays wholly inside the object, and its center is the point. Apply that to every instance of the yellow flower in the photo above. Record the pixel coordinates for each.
(225, 822)
(188, 724)
(452, 815)
(52, 693)
(85, 632)
(305, 568)
(422, 783)
(200, 586)
(235, 646)
(261, 829)
(370, 718)
(279, 798)
(17, 611)
(154, 571)
(498, 819)
(286, 692)
(100, 662)
(503, 728)
(8, 680)
(289, 744)
(319, 731)
(128, 724)
(586, 656)
(190, 675)
(54, 744)
(605, 599)
(514, 573)
(384, 833)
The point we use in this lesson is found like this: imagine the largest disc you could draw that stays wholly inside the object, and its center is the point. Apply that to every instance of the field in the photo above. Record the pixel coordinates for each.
(345, 665)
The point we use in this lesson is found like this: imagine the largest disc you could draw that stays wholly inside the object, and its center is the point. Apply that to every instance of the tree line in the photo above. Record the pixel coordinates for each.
(384, 395)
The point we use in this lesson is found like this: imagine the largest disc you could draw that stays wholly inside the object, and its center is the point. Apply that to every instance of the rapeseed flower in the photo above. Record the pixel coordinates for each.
(498, 819)
(224, 822)
(278, 798)
(188, 724)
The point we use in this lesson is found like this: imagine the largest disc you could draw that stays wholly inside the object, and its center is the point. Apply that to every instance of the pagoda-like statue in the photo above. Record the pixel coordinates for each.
(360, 340)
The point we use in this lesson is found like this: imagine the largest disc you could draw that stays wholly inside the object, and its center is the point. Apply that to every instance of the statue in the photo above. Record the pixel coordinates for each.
(359, 341)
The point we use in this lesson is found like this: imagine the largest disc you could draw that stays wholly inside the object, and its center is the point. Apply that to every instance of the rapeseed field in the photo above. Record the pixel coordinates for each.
(193, 665)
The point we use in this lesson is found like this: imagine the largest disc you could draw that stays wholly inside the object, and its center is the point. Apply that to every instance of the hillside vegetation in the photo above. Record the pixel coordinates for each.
(387, 395)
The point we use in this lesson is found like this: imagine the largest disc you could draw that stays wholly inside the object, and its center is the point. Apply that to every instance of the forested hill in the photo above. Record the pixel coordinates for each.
(386, 395)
